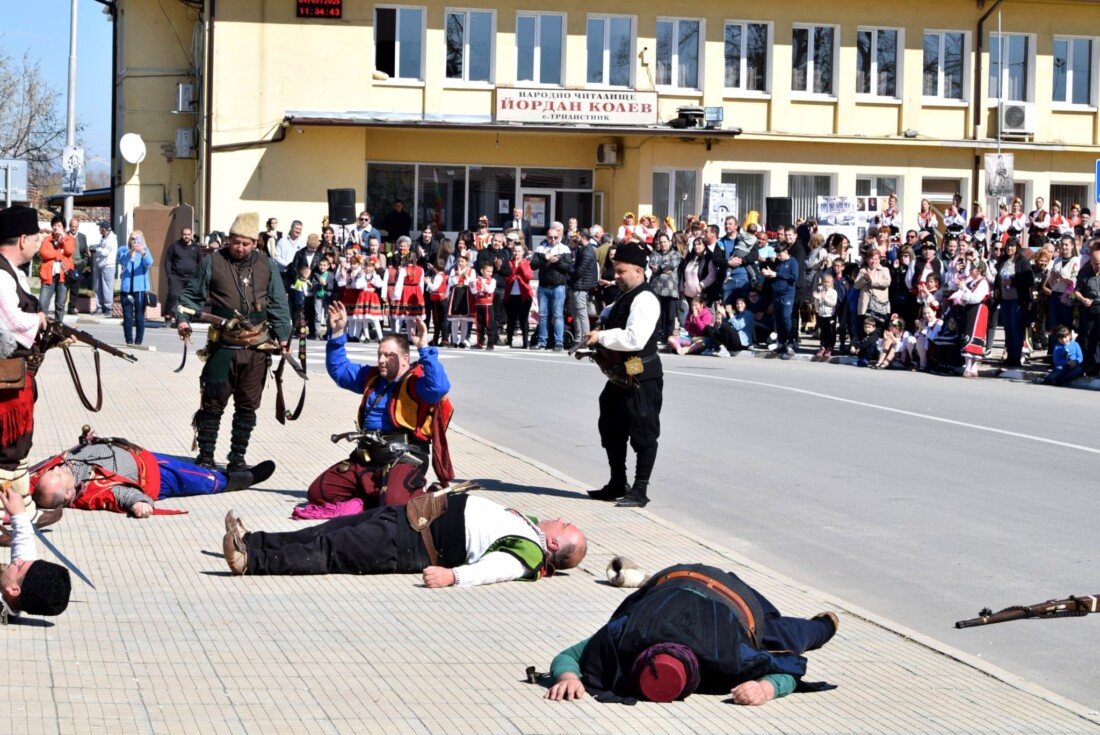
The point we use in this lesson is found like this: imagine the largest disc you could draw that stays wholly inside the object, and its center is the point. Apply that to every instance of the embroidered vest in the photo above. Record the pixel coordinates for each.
(406, 409)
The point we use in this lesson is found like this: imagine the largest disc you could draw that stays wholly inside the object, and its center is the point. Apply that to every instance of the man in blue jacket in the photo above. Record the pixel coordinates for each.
(784, 279)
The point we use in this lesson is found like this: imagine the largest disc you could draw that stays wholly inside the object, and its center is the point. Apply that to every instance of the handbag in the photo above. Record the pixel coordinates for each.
(151, 298)
(13, 373)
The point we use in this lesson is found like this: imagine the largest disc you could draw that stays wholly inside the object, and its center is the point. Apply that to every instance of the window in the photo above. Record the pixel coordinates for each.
(539, 46)
(488, 188)
(388, 182)
(1068, 195)
(1073, 71)
(674, 194)
(804, 189)
(813, 55)
(944, 61)
(1016, 72)
(877, 62)
(747, 56)
(611, 50)
(440, 199)
(399, 42)
(469, 37)
(678, 53)
(750, 191)
(876, 186)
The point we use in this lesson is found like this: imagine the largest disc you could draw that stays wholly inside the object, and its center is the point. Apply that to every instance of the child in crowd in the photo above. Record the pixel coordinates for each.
(483, 304)
(947, 354)
(929, 293)
(732, 331)
(438, 288)
(696, 326)
(825, 302)
(761, 312)
(300, 293)
(361, 296)
(894, 343)
(851, 308)
(867, 346)
(321, 282)
(843, 284)
(1067, 358)
(923, 341)
(460, 304)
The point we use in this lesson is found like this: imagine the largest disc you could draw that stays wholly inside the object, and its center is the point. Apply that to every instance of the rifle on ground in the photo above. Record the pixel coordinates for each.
(1071, 607)
(58, 334)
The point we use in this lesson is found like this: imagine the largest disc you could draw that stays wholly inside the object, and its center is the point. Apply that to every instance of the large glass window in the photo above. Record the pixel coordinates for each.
(876, 186)
(469, 39)
(750, 191)
(1015, 73)
(388, 182)
(490, 188)
(944, 61)
(610, 50)
(804, 189)
(1069, 194)
(1073, 71)
(746, 55)
(398, 42)
(539, 41)
(674, 194)
(678, 53)
(877, 62)
(812, 51)
(441, 197)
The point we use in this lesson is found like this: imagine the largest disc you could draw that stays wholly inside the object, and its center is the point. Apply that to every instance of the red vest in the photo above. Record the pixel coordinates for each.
(483, 297)
(97, 494)
(406, 409)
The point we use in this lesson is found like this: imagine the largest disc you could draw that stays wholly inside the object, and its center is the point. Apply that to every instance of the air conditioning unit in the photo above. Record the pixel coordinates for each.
(1018, 118)
(607, 154)
(185, 138)
(185, 98)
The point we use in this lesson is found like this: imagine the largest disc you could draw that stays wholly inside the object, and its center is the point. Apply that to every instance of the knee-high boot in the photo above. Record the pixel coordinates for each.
(618, 485)
(243, 424)
(642, 472)
(206, 424)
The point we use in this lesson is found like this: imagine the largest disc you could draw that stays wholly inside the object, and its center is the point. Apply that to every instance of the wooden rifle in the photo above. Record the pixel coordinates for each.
(58, 334)
(1071, 607)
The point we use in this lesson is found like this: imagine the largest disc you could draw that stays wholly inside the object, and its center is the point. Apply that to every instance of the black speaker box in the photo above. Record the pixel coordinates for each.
(778, 212)
(341, 206)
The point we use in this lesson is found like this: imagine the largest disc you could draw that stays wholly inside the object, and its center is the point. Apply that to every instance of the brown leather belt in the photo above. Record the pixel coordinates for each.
(421, 512)
(712, 584)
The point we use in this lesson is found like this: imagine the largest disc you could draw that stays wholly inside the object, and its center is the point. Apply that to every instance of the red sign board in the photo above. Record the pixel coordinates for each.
(320, 8)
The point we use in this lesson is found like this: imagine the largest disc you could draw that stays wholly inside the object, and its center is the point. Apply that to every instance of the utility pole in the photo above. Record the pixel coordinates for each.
(70, 121)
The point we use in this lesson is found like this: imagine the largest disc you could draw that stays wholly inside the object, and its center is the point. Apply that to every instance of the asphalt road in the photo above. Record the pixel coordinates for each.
(918, 497)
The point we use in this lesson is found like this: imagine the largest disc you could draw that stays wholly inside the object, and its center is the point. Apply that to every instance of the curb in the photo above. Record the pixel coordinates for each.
(902, 631)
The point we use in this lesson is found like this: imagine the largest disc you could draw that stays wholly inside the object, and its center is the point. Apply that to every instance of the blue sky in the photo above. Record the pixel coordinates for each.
(42, 28)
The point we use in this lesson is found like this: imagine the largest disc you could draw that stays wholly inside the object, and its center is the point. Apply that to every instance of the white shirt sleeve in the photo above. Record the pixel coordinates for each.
(22, 538)
(496, 566)
(22, 326)
(640, 324)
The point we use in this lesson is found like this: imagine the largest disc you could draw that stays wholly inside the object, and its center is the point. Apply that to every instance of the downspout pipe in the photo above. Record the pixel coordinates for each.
(112, 9)
(208, 115)
(976, 92)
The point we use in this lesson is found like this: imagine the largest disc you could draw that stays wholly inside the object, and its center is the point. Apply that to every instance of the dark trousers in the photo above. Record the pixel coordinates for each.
(1012, 321)
(439, 310)
(133, 316)
(370, 483)
(247, 374)
(633, 416)
(1088, 336)
(486, 335)
(176, 284)
(364, 543)
(518, 311)
(828, 331)
(724, 335)
(785, 327)
(797, 635)
(666, 322)
(498, 314)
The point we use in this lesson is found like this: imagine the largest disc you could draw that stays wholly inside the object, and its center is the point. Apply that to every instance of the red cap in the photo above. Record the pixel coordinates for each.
(662, 679)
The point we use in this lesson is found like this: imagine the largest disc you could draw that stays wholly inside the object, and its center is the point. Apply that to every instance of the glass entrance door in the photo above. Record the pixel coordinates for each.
(538, 207)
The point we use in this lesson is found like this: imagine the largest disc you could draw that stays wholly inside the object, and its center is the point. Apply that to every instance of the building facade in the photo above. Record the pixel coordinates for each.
(464, 109)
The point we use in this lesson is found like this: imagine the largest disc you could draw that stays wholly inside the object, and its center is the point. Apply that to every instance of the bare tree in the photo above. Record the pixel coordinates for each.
(31, 125)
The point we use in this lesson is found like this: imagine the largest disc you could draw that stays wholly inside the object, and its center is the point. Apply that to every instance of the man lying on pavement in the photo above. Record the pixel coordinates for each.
(27, 584)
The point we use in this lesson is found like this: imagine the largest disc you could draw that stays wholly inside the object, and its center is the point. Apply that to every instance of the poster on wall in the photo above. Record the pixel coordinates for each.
(534, 209)
(72, 164)
(719, 201)
(850, 216)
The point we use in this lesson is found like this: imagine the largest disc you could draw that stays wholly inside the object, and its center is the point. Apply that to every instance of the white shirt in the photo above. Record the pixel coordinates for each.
(286, 249)
(487, 523)
(16, 327)
(640, 324)
(106, 251)
(22, 544)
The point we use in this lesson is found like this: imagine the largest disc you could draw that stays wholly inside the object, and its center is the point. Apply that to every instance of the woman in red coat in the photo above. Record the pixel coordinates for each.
(518, 294)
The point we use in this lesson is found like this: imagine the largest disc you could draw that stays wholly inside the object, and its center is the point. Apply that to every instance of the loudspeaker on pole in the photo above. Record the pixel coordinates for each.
(777, 212)
(341, 206)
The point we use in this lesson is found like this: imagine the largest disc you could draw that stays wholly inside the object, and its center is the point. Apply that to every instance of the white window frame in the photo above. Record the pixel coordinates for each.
(465, 81)
(768, 61)
(401, 81)
(537, 62)
(939, 100)
(1094, 67)
(883, 195)
(766, 188)
(1032, 58)
(899, 71)
(672, 171)
(607, 50)
(809, 94)
(674, 69)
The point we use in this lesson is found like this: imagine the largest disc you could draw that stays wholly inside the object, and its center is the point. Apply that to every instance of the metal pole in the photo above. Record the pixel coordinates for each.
(7, 185)
(1003, 82)
(70, 122)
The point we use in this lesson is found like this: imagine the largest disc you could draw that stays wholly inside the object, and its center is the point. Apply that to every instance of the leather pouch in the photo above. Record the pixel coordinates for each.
(13, 373)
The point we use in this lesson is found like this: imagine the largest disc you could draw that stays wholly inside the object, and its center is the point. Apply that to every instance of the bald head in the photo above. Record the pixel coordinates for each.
(56, 488)
(565, 542)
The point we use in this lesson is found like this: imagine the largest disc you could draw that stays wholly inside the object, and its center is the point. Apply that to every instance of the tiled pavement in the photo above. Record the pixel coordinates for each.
(169, 642)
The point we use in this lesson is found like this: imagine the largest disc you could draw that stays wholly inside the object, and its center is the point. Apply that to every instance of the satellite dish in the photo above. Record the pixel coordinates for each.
(132, 148)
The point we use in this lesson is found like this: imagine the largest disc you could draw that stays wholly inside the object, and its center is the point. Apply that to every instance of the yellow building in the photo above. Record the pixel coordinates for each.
(470, 108)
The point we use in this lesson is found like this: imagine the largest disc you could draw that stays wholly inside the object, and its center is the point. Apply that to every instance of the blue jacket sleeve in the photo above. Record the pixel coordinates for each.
(434, 385)
(345, 373)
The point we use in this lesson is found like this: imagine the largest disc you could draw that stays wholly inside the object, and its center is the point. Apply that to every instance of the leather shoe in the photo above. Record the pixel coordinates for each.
(238, 466)
(238, 480)
(630, 500)
(233, 546)
(609, 492)
(47, 517)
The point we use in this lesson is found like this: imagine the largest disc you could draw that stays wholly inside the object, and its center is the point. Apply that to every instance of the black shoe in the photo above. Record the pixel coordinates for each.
(206, 462)
(609, 492)
(238, 465)
(630, 500)
(238, 480)
(558, 348)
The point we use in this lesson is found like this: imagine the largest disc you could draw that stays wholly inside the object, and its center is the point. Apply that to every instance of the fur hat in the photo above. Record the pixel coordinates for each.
(621, 572)
(17, 220)
(247, 224)
(45, 589)
(633, 253)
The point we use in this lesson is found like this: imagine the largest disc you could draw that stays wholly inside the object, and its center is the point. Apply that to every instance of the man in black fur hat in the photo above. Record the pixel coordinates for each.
(630, 404)
(29, 585)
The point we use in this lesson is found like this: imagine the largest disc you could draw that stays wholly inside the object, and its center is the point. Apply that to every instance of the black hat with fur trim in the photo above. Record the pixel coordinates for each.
(632, 253)
(45, 589)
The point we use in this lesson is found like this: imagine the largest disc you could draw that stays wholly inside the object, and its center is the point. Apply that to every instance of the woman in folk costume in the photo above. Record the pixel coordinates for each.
(460, 303)
(977, 228)
(360, 296)
(408, 292)
(970, 303)
(626, 230)
(926, 218)
(646, 229)
(891, 216)
(1059, 224)
(1074, 218)
(1013, 223)
(482, 237)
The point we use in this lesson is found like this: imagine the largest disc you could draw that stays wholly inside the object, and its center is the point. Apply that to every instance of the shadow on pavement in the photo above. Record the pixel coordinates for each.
(508, 487)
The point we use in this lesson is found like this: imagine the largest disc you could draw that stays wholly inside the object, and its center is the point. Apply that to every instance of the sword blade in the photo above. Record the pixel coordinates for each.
(64, 559)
